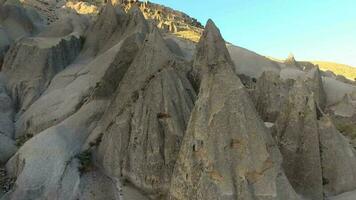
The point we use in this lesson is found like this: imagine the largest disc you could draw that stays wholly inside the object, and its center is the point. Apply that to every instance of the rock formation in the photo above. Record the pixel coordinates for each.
(145, 123)
(338, 160)
(298, 139)
(115, 106)
(227, 152)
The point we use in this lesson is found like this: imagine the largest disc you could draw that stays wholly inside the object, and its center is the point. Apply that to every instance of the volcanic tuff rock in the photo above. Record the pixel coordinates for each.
(227, 152)
(16, 22)
(112, 107)
(270, 95)
(7, 144)
(49, 54)
(298, 139)
(145, 123)
(56, 146)
(338, 159)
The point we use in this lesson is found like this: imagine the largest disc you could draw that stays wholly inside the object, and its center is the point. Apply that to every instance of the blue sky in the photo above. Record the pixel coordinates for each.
(310, 29)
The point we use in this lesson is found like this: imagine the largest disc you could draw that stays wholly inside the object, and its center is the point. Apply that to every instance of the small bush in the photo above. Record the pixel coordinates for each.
(97, 141)
(23, 139)
(85, 161)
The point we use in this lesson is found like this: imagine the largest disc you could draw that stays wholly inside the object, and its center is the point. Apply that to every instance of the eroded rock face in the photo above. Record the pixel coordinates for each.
(270, 95)
(70, 89)
(145, 123)
(7, 144)
(61, 121)
(43, 165)
(112, 26)
(298, 138)
(315, 84)
(227, 152)
(338, 160)
(16, 22)
(31, 64)
(120, 118)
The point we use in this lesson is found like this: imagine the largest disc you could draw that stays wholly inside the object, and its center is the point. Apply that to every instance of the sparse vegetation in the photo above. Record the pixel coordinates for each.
(339, 69)
(85, 160)
(97, 141)
(189, 35)
(23, 139)
(6, 183)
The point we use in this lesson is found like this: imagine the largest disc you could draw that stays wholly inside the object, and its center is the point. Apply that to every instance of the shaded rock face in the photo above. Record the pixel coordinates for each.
(271, 92)
(61, 120)
(145, 123)
(7, 144)
(15, 22)
(270, 95)
(315, 84)
(338, 160)
(298, 139)
(25, 82)
(70, 89)
(120, 118)
(307, 146)
(112, 26)
(227, 152)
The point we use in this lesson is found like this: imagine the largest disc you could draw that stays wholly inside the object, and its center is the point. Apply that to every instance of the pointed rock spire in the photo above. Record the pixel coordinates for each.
(147, 119)
(101, 30)
(338, 159)
(292, 61)
(227, 152)
(298, 139)
(315, 84)
(211, 52)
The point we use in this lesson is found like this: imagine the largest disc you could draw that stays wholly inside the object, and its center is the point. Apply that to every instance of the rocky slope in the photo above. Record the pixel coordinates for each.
(115, 106)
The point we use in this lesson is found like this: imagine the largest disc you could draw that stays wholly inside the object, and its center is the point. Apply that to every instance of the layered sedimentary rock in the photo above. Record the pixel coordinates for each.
(227, 152)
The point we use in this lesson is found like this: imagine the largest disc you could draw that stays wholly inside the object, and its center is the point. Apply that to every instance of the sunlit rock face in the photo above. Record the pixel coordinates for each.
(227, 152)
(117, 105)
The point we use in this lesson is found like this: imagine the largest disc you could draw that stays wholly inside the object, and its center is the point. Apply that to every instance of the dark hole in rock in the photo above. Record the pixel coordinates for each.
(163, 115)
